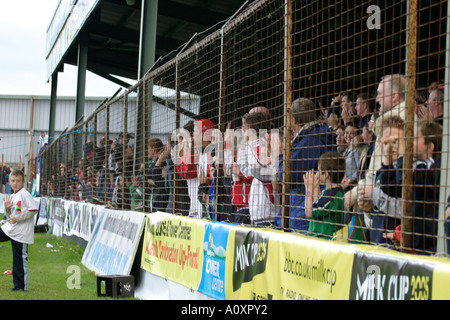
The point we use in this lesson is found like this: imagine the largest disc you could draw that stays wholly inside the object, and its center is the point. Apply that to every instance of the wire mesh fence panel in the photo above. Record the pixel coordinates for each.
(323, 118)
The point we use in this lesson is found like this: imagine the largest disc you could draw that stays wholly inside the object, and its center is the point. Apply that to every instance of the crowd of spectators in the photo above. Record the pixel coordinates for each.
(344, 170)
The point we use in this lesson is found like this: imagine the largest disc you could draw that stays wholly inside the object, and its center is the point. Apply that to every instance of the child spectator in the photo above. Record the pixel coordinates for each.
(426, 166)
(19, 228)
(325, 209)
(136, 193)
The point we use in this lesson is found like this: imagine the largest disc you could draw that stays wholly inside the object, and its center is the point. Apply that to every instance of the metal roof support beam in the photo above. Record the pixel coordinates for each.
(147, 46)
(51, 127)
(147, 50)
(81, 77)
(81, 92)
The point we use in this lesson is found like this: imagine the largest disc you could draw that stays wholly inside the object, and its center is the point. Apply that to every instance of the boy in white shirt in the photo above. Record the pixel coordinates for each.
(19, 227)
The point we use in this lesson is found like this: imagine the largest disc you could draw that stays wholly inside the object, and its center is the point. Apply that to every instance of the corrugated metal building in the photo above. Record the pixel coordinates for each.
(22, 118)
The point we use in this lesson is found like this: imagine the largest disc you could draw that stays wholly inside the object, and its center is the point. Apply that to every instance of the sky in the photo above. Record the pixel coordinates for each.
(23, 27)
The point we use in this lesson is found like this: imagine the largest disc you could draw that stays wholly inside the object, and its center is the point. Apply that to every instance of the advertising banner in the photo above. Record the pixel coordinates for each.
(311, 268)
(274, 265)
(72, 221)
(173, 248)
(43, 208)
(247, 263)
(385, 277)
(214, 260)
(59, 217)
(114, 241)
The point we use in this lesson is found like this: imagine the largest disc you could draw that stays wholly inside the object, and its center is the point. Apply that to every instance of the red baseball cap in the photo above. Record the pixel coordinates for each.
(204, 124)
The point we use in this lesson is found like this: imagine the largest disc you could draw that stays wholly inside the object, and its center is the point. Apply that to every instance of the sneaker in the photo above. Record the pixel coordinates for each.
(17, 289)
(8, 272)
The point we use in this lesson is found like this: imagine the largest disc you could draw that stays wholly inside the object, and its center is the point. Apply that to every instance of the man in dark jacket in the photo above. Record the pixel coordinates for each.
(312, 138)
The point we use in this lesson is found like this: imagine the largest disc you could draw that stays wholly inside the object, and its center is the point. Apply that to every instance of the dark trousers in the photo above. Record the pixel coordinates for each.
(241, 216)
(20, 262)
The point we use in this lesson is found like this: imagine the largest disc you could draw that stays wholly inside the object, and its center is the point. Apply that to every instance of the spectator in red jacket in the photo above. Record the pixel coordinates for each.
(194, 162)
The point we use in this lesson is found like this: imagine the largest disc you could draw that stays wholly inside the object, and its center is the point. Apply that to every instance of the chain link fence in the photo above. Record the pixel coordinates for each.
(327, 118)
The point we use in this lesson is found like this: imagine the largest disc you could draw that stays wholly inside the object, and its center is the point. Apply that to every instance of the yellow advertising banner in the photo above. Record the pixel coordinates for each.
(280, 266)
(441, 281)
(384, 274)
(173, 248)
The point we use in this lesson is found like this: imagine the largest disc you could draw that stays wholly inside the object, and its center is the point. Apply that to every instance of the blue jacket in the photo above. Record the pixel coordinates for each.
(306, 148)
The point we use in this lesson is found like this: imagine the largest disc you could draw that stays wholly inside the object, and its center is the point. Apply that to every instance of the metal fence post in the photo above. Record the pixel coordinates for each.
(287, 113)
(409, 127)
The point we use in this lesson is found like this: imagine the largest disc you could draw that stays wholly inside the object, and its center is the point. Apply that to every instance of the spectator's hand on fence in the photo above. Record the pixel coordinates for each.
(212, 171)
(167, 150)
(392, 147)
(202, 178)
(311, 180)
(333, 120)
(390, 236)
(135, 180)
(349, 201)
(386, 150)
(364, 201)
(337, 99)
(346, 116)
(424, 113)
(365, 204)
(151, 182)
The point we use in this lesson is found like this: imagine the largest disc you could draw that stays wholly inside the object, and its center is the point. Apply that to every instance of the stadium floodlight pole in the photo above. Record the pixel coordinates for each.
(407, 182)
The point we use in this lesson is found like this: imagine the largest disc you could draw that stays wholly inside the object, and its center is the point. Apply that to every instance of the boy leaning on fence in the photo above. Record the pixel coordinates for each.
(325, 209)
(426, 177)
(19, 227)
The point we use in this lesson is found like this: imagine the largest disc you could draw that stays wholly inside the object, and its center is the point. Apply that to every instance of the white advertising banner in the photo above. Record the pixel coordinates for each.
(114, 241)
(58, 217)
